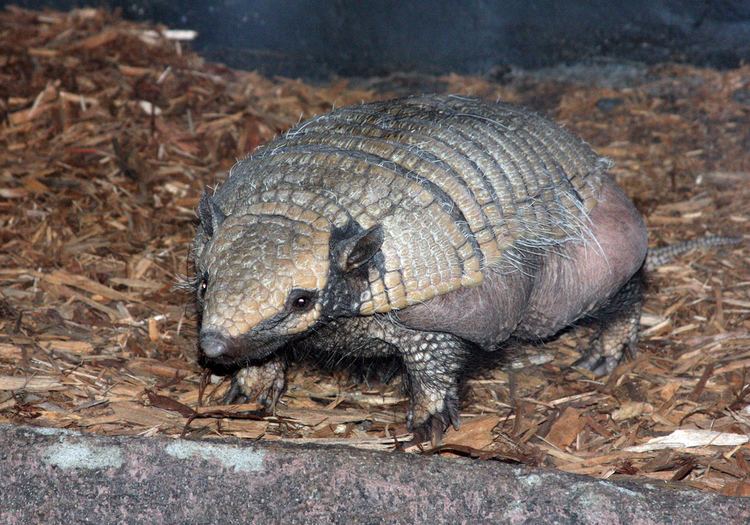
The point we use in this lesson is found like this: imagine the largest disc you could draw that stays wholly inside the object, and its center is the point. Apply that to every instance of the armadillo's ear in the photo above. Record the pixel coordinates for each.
(357, 250)
(210, 214)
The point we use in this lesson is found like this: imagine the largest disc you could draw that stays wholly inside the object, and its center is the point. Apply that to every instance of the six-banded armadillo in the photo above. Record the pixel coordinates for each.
(422, 227)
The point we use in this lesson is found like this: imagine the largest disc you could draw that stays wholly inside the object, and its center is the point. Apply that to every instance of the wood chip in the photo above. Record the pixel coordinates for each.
(30, 384)
(686, 438)
(565, 428)
(475, 432)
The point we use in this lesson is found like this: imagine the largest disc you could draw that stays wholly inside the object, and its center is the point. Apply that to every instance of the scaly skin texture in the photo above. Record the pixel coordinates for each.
(665, 254)
(424, 228)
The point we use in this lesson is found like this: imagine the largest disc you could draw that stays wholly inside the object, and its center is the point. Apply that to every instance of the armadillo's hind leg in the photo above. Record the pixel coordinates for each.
(617, 333)
(262, 383)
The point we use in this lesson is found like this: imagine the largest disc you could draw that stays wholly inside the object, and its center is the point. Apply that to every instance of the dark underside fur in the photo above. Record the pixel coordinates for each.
(369, 371)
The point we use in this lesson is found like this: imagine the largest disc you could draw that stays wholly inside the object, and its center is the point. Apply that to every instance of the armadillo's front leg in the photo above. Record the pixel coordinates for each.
(262, 383)
(433, 363)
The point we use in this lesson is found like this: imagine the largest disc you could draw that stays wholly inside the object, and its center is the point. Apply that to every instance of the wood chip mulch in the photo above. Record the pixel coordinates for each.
(109, 131)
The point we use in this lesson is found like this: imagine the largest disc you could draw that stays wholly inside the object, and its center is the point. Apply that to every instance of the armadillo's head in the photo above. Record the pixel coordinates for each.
(264, 279)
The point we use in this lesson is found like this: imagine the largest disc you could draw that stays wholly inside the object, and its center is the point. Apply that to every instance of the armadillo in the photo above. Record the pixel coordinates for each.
(426, 228)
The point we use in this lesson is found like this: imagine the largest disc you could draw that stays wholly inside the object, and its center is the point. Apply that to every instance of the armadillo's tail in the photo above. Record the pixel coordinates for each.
(664, 254)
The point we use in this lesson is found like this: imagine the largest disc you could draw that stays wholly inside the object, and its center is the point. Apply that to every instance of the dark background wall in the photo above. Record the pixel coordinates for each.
(317, 38)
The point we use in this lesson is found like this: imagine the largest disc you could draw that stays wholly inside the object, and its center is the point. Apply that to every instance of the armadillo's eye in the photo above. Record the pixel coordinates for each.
(203, 286)
(301, 300)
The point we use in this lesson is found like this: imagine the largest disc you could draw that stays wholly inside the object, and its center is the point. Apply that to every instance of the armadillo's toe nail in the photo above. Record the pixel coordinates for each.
(213, 345)
(234, 394)
(437, 431)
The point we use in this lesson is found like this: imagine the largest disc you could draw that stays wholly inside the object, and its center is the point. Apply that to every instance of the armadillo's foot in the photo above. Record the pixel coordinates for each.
(618, 330)
(263, 384)
(433, 363)
(610, 346)
(430, 415)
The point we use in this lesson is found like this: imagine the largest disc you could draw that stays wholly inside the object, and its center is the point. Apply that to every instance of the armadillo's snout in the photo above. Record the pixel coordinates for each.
(213, 345)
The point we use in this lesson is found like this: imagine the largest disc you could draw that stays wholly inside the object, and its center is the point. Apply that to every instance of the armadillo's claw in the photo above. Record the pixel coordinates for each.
(614, 342)
(597, 364)
(607, 350)
(429, 423)
(263, 384)
(234, 394)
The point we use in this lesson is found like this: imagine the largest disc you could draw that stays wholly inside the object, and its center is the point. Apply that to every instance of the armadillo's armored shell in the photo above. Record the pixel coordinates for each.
(459, 186)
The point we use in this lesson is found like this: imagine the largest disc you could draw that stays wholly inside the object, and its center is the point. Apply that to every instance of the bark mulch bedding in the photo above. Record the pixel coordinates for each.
(109, 131)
